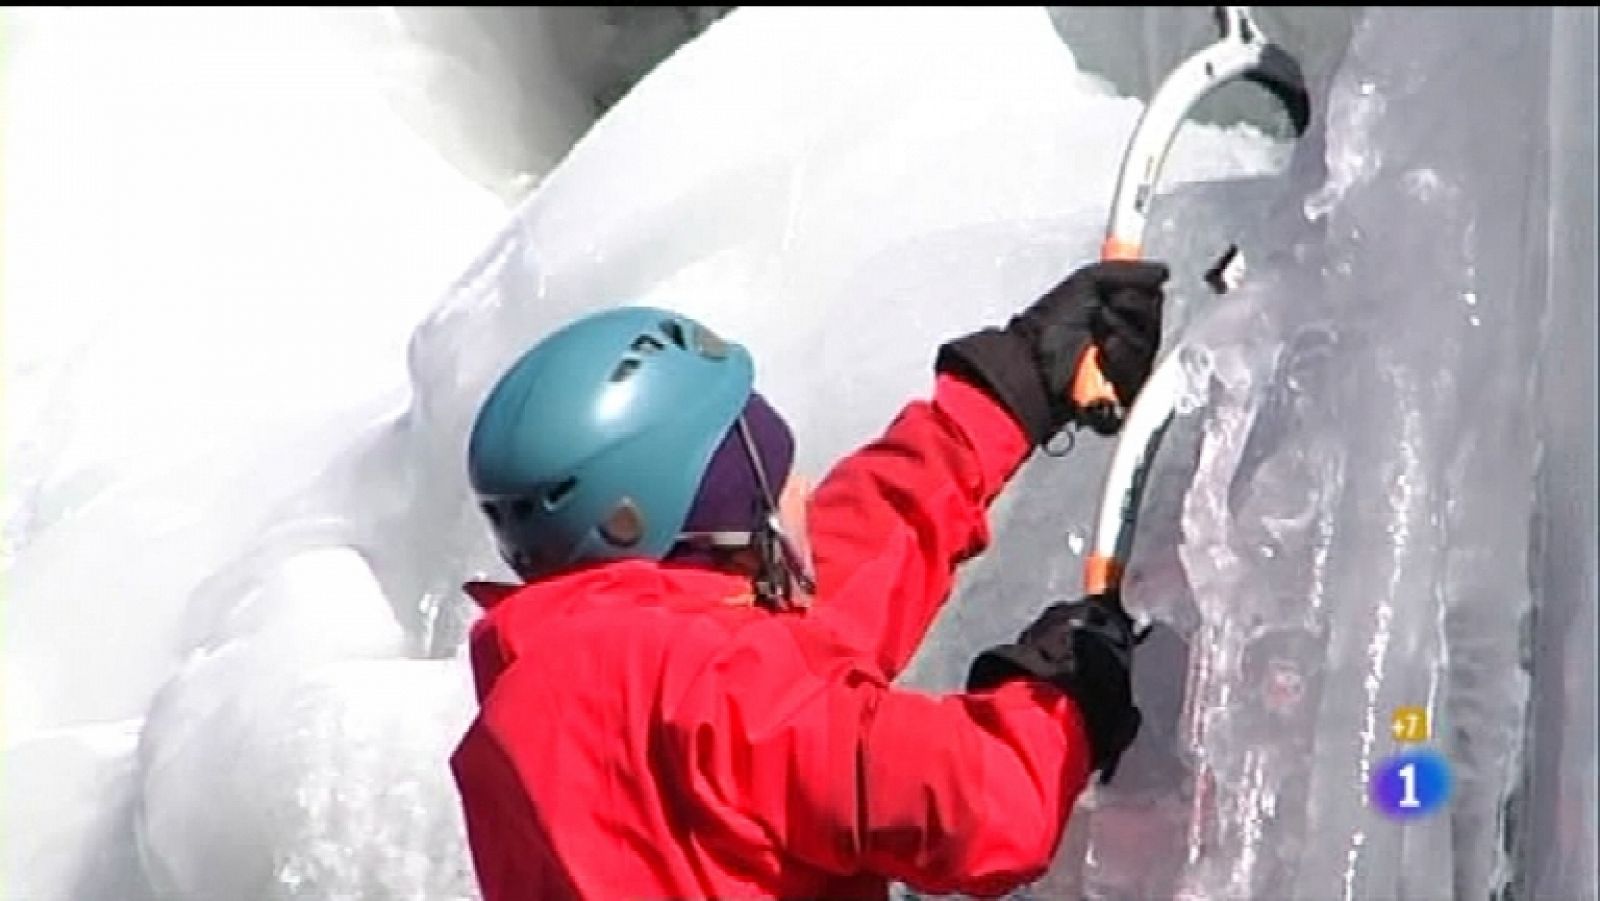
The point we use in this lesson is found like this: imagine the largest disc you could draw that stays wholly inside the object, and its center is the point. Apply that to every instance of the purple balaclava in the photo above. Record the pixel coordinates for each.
(729, 499)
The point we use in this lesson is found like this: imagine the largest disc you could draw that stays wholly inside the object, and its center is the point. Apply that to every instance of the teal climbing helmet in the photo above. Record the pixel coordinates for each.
(591, 447)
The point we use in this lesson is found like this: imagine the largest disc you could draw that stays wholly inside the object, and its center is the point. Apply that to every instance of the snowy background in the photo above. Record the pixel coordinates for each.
(260, 266)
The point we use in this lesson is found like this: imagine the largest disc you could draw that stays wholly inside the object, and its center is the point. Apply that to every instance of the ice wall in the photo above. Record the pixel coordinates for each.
(1360, 515)
(1372, 515)
(1556, 844)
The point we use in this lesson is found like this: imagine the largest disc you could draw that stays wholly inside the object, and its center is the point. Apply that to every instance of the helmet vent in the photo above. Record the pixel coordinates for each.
(709, 344)
(558, 493)
(647, 344)
(625, 526)
(626, 367)
(674, 332)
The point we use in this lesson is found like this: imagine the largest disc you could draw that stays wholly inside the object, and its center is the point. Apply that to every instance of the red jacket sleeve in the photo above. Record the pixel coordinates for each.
(891, 522)
(787, 745)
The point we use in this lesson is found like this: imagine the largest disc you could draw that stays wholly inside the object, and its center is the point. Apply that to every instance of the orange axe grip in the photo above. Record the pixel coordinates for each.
(1118, 249)
(1101, 574)
(1089, 385)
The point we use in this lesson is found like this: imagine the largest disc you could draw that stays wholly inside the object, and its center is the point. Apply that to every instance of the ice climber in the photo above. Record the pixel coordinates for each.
(690, 694)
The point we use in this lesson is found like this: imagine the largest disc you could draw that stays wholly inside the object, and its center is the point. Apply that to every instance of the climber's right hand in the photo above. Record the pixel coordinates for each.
(1084, 648)
(1030, 365)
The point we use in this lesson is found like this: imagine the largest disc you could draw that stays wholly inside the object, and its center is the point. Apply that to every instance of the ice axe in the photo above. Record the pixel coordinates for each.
(1242, 51)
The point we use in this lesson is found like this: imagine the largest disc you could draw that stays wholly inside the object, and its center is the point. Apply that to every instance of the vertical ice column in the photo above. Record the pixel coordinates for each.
(1397, 489)
(1556, 842)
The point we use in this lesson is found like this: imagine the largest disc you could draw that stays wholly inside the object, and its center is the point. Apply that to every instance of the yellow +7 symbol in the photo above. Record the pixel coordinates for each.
(1410, 724)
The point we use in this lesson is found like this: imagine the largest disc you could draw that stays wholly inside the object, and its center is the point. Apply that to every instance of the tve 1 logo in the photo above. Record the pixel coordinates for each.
(1413, 784)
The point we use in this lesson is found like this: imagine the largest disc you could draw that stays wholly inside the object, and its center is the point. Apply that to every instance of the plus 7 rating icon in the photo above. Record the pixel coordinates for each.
(1409, 724)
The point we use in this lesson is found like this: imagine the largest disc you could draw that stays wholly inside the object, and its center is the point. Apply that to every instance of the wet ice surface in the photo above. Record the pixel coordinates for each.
(1343, 513)
(1380, 524)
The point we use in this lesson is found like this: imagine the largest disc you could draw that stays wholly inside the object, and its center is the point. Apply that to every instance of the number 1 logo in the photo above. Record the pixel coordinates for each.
(1412, 784)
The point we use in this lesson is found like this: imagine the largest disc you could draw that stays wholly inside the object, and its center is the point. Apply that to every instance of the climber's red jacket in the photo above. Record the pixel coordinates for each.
(646, 732)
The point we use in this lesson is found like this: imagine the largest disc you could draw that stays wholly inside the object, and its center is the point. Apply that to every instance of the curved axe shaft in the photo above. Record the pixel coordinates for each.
(1242, 52)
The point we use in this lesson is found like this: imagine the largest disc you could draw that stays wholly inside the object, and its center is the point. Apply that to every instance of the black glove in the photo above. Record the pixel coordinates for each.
(1085, 648)
(1029, 365)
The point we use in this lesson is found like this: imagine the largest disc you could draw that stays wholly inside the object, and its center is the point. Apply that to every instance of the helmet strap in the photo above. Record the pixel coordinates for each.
(779, 566)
